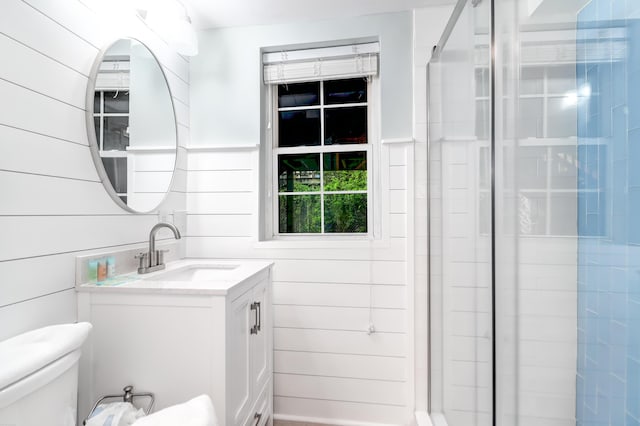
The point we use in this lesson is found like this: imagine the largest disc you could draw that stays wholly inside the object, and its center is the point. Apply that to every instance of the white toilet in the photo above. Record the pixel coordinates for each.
(39, 382)
(39, 376)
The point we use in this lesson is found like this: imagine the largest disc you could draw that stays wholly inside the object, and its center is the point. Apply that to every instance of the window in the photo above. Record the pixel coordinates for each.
(319, 148)
(111, 119)
(321, 157)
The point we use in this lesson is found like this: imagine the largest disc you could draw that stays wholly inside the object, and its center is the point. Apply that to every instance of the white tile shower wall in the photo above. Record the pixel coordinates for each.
(465, 264)
(53, 203)
(547, 336)
(325, 293)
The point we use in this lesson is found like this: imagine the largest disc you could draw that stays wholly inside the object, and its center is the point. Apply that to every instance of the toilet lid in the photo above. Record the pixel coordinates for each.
(27, 353)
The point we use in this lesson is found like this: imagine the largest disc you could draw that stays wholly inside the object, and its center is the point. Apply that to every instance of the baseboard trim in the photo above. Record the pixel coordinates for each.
(325, 422)
(423, 419)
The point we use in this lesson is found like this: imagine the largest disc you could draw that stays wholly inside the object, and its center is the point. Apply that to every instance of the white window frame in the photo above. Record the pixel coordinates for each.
(101, 115)
(372, 149)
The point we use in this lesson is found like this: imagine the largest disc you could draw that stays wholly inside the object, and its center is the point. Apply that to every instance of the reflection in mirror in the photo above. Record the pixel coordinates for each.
(131, 125)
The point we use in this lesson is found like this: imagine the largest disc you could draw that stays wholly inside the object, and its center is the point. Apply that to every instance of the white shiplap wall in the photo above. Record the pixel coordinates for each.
(327, 368)
(53, 205)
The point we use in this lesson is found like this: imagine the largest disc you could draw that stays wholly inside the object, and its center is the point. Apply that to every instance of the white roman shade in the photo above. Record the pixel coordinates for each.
(325, 63)
(113, 74)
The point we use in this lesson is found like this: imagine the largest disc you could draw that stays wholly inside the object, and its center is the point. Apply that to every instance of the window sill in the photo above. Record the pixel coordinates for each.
(324, 242)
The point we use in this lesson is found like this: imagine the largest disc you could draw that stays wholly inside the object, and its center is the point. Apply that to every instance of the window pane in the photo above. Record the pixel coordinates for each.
(116, 102)
(96, 123)
(116, 168)
(345, 125)
(96, 103)
(345, 171)
(531, 118)
(483, 168)
(564, 170)
(561, 222)
(116, 133)
(484, 209)
(532, 167)
(532, 213)
(482, 119)
(562, 119)
(299, 214)
(531, 80)
(345, 91)
(299, 94)
(299, 128)
(561, 79)
(299, 173)
(482, 82)
(345, 213)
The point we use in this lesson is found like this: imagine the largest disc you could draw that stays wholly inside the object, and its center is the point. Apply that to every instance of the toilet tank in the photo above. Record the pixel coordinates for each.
(39, 376)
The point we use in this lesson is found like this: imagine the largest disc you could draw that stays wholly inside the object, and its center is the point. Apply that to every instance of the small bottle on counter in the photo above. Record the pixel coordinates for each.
(102, 270)
(92, 272)
(111, 267)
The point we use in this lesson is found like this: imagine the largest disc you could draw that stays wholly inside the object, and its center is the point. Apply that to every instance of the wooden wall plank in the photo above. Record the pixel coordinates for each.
(28, 152)
(337, 271)
(342, 294)
(340, 365)
(32, 111)
(57, 308)
(52, 273)
(340, 342)
(221, 181)
(221, 203)
(233, 225)
(19, 21)
(340, 389)
(28, 236)
(339, 318)
(340, 410)
(27, 194)
(222, 160)
(69, 85)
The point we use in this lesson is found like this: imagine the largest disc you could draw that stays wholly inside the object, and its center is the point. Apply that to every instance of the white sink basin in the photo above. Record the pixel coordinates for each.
(209, 272)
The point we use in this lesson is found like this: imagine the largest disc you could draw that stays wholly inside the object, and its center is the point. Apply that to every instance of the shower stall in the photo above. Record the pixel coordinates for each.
(534, 214)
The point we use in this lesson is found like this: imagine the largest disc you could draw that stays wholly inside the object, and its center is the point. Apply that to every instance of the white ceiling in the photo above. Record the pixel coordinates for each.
(232, 13)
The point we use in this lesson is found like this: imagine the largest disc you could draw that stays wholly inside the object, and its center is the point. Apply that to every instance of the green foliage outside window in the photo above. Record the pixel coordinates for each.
(344, 213)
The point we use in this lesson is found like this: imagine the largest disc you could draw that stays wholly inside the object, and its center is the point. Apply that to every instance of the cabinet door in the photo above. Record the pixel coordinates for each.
(261, 350)
(239, 359)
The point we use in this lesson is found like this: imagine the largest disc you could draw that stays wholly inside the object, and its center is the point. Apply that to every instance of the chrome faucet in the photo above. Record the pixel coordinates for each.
(154, 259)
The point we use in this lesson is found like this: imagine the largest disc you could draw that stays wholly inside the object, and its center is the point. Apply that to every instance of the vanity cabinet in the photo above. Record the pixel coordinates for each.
(180, 341)
(251, 349)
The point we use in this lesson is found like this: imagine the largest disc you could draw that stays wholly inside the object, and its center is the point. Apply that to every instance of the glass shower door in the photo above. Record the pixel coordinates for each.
(460, 223)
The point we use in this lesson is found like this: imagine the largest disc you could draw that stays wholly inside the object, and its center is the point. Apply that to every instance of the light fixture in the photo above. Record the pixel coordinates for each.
(167, 18)
(170, 19)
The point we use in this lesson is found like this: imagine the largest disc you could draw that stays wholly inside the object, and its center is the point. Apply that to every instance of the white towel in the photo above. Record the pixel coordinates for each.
(196, 412)
(115, 414)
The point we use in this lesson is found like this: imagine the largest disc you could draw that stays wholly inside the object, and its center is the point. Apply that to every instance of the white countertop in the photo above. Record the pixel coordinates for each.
(225, 274)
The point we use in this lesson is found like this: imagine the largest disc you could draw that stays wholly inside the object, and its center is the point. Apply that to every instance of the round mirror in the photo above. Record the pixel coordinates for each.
(131, 125)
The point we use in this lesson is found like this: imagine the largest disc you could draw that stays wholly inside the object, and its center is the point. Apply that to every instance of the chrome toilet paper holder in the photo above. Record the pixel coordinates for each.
(126, 397)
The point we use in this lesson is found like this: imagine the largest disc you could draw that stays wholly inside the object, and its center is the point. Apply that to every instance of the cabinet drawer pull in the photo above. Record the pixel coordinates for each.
(257, 417)
(259, 315)
(255, 306)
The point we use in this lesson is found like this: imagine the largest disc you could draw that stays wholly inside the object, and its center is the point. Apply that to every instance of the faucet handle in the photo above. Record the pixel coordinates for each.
(160, 255)
(142, 256)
